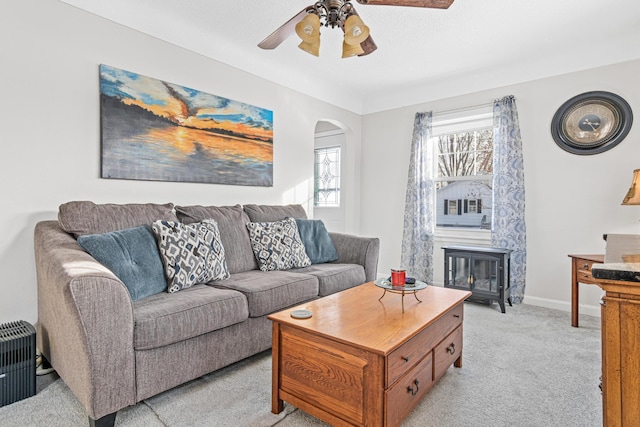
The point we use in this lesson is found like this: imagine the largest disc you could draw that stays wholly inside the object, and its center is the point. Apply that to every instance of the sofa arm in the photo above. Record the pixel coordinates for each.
(85, 322)
(358, 250)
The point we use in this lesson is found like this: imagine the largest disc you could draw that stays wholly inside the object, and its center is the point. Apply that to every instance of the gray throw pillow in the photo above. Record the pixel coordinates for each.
(316, 240)
(277, 245)
(191, 253)
(132, 255)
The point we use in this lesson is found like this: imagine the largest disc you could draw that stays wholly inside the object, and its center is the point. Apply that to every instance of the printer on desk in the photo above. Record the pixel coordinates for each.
(621, 259)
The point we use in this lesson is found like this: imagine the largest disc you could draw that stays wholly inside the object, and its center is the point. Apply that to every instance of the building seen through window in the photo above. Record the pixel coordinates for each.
(463, 176)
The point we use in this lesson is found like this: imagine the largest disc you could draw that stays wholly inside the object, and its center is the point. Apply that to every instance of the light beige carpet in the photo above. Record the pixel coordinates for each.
(527, 367)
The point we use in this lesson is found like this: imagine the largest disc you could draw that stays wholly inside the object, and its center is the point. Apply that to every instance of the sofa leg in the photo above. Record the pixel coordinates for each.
(106, 421)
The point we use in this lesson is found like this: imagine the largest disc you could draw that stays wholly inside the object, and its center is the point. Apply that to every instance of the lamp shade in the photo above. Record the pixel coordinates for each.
(349, 50)
(633, 195)
(308, 29)
(311, 47)
(355, 32)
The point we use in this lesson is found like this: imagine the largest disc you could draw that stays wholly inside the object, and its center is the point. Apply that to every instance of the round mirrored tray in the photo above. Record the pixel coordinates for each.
(407, 288)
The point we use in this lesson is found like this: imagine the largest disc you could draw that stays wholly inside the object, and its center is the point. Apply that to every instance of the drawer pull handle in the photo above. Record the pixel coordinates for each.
(405, 358)
(457, 316)
(586, 266)
(451, 349)
(412, 390)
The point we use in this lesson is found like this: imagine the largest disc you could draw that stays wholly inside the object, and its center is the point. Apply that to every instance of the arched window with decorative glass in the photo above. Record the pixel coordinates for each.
(326, 191)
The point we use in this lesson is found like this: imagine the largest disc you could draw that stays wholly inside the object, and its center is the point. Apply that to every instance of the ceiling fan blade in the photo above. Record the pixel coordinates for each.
(284, 32)
(437, 4)
(368, 45)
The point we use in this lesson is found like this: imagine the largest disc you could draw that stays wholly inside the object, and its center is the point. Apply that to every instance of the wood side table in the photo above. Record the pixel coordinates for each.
(362, 361)
(581, 273)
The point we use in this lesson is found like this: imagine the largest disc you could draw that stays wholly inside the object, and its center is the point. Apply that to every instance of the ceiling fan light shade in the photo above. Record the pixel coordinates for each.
(355, 31)
(311, 47)
(349, 50)
(308, 29)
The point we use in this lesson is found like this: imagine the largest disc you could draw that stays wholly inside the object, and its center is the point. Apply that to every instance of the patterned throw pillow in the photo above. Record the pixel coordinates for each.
(277, 245)
(191, 253)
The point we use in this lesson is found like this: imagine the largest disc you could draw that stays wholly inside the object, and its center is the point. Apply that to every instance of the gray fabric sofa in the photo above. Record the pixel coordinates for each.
(113, 352)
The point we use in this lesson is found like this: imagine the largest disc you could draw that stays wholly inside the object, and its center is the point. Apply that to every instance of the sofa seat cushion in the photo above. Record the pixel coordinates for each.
(334, 278)
(271, 291)
(165, 318)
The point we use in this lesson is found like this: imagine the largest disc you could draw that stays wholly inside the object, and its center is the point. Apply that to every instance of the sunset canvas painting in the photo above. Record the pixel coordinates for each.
(159, 131)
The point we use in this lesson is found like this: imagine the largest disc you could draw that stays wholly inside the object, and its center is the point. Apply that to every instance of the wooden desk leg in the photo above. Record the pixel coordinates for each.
(574, 292)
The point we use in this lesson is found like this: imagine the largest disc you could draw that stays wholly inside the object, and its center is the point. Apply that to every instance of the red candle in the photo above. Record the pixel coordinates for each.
(398, 277)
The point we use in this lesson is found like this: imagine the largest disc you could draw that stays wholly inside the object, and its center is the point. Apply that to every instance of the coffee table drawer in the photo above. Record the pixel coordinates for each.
(407, 392)
(446, 353)
(407, 355)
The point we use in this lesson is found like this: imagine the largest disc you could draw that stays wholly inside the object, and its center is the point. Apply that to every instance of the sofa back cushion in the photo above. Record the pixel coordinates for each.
(232, 223)
(270, 213)
(84, 217)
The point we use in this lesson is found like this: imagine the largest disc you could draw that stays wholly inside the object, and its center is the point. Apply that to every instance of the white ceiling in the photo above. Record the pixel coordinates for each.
(423, 54)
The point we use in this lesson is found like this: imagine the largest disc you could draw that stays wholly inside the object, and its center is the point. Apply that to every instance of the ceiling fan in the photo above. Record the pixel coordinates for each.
(342, 14)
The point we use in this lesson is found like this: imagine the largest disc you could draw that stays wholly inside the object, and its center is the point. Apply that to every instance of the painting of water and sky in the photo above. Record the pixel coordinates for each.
(159, 131)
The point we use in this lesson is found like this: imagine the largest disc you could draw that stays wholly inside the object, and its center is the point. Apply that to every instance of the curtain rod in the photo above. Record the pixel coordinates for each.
(470, 107)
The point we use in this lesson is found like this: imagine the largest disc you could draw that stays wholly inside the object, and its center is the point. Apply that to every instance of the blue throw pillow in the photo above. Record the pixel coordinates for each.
(316, 240)
(132, 255)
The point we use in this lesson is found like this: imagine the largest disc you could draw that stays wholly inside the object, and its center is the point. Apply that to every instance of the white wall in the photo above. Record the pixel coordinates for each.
(571, 200)
(50, 134)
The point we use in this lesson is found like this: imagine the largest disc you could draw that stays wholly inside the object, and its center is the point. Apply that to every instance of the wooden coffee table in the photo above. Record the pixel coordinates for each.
(362, 361)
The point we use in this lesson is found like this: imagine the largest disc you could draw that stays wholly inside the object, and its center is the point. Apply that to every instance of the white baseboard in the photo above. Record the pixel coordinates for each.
(590, 310)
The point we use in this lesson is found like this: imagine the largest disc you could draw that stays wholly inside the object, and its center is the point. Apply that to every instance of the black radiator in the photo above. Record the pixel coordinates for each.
(17, 361)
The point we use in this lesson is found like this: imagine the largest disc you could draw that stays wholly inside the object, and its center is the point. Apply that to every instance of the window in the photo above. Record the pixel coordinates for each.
(452, 207)
(473, 205)
(326, 191)
(463, 171)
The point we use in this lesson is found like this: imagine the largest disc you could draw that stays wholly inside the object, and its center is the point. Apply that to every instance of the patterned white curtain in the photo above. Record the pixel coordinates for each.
(508, 229)
(417, 238)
